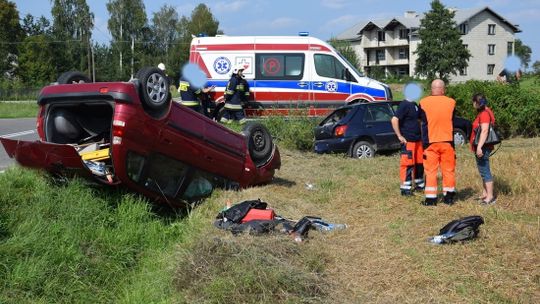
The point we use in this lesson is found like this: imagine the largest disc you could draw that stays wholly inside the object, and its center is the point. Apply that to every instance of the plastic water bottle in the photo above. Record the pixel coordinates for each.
(438, 239)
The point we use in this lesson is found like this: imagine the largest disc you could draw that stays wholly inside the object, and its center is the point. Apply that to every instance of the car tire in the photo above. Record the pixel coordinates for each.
(259, 142)
(363, 149)
(73, 77)
(155, 93)
(460, 138)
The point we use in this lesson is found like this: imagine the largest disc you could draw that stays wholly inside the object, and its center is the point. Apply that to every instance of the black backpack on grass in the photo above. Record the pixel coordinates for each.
(462, 229)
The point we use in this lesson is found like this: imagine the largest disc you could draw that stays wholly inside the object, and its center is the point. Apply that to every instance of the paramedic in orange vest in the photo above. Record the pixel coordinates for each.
(436, 114)
(406, 125)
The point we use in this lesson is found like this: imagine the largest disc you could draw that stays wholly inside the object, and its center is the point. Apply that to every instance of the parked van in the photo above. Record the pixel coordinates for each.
(285, 72)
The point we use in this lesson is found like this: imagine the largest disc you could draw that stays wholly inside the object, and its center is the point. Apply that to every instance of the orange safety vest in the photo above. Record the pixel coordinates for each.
(437, 113)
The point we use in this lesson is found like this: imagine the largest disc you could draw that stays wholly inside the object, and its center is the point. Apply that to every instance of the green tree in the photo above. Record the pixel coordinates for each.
(523, 52)
(32, 27)
(127, 24)
(536, 67)
(441, 51)
(164, 24)
(72, 31)
(10, 32)
(36, 60)
(201, 22)
(345, 48)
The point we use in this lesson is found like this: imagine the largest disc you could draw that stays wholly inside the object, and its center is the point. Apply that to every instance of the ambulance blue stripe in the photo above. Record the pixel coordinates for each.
(293, 85)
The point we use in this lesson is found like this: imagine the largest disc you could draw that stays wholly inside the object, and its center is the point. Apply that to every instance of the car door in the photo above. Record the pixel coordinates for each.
(377, 121)
(329, 83)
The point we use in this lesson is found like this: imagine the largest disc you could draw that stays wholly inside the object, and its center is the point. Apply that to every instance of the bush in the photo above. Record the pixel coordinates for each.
(292, 132)
(516, 107)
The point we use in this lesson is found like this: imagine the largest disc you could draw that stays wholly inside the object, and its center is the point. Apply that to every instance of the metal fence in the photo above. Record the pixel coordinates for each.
(19, 94)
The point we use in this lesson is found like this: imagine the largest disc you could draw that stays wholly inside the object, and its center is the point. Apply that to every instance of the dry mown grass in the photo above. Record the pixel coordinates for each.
(383, 256)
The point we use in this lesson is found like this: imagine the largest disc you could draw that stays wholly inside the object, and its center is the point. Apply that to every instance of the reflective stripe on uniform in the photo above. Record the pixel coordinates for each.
(233, 106)
(229, 92)
(449, 189)
(190, 103)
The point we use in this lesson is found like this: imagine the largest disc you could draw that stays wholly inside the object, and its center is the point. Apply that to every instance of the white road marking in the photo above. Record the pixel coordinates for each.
(22, 133)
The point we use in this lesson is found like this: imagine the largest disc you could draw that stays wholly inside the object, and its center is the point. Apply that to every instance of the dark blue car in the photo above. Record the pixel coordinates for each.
(362, 129)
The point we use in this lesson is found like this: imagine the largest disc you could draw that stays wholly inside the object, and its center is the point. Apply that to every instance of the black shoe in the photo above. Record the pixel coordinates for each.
(430, 202)
(449, 197)
(406, 193)
(418, 188)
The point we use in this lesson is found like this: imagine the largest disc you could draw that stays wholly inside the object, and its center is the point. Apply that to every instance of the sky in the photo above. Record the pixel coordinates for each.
(321, 18)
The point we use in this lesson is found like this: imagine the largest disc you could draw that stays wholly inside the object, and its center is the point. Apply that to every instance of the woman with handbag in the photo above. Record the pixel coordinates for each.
(481, 127)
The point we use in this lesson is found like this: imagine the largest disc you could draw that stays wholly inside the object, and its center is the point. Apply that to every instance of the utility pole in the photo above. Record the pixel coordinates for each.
(93, 64)
(132, 54)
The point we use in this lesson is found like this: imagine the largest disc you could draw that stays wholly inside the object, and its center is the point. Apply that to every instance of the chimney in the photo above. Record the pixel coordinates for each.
(410, 14)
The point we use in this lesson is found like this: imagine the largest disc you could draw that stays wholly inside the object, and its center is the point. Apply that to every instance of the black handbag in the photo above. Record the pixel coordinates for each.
(493, 137)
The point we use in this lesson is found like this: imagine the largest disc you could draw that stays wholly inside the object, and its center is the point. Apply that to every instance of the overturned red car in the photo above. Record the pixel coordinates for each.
(132, 134)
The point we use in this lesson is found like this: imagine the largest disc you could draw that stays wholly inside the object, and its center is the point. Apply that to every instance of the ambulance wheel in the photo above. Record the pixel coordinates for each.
(259, 142)
(363, 149)
(73, 77)
(154, 90)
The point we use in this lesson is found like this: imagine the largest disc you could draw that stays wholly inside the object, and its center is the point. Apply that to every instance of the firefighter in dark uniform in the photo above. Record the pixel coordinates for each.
(236, 93)
(406, 125)
(190, 96)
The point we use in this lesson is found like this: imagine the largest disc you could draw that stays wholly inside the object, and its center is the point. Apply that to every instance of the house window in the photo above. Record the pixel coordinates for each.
(403, 34)
(463, 72)
(464, 28)
(403, 71)
(381, 36)
(491, 29)
(491, 49)
(402, 53)
(380, 55)
(466, 46)
(490, 68)
(510, 48)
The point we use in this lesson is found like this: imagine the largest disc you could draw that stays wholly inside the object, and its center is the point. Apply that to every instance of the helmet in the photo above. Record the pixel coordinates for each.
(161, 66)
(237, 68)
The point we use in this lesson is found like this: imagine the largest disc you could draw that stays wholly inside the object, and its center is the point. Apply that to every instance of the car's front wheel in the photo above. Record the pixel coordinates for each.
(363, 149)
(460, 138)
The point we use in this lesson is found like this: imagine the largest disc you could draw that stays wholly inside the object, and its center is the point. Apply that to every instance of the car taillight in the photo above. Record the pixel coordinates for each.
(118, 131)
(39, 123)
(340, 130)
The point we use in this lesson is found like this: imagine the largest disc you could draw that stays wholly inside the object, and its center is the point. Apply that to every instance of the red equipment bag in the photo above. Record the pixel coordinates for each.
(258, 214)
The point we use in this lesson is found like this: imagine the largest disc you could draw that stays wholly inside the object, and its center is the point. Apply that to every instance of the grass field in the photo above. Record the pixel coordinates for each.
(18, 109)
(74, 243)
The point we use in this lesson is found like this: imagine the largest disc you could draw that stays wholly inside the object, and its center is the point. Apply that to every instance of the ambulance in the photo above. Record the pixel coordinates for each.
(285, 73)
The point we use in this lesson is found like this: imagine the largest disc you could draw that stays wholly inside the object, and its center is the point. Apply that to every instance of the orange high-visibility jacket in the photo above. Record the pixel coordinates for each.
(437, 113)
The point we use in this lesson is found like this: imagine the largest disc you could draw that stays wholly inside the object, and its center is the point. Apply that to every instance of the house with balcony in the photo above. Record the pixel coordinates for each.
(390, 44)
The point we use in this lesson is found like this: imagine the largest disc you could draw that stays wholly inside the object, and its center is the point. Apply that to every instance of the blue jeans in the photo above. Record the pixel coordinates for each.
(483, 165)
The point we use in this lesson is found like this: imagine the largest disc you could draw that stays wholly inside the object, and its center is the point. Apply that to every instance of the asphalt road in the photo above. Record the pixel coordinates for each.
(16, 128)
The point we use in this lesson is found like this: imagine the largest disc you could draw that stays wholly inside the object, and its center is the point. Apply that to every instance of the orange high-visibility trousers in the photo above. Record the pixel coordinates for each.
(440, 154)
(410, 165)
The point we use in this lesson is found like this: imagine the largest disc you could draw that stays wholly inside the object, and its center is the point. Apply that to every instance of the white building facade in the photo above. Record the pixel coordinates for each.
(390, 44)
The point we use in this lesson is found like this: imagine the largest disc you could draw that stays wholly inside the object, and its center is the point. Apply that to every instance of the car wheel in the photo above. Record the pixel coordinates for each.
(363, 149)
(72, 78)
(460, 138)
(155, 88)
(259, 142)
